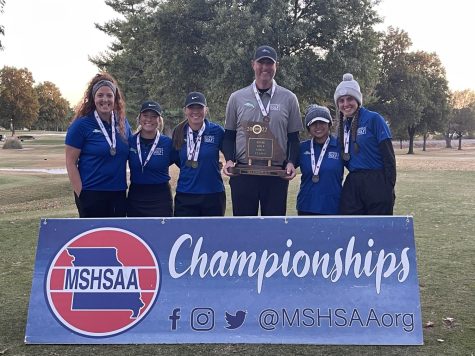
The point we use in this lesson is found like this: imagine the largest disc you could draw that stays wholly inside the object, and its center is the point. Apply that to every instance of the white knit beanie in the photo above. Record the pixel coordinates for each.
(348, 86)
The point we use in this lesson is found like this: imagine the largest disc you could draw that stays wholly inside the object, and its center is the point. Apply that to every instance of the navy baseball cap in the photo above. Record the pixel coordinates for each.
(265, 52)
(151, 106)
(195, 98)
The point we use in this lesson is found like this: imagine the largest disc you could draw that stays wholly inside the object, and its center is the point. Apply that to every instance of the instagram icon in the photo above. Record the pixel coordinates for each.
(202, 319)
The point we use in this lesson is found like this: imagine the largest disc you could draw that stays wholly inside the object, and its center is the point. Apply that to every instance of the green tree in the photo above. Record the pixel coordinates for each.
(54, 109)
(131, 57)
(463, 114)
(436, 110)
(403, 90)
(18, 100)
(164, 49)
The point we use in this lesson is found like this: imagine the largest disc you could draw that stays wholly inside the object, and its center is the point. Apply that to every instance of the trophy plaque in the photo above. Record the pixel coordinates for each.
(261, 149)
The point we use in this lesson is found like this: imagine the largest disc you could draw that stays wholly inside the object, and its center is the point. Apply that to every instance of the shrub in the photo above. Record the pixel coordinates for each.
(25, 137)
(12, 143)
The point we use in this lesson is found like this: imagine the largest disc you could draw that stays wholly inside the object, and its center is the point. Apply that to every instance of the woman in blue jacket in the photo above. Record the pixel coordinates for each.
(368, 154)
(149, 158)
(321, 166)
(97, 149)
(197, 143)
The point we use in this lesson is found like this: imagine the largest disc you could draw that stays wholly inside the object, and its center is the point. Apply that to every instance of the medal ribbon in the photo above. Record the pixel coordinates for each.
(264, 111)
(316, 167)
(152, 150)
(112, 143)
(347, 133)
(192, 148)
(346, 138)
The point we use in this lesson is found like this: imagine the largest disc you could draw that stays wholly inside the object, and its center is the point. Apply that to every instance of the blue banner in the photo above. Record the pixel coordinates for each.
(297, 280)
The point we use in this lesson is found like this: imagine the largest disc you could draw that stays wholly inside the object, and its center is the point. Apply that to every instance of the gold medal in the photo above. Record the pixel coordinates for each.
(346, 156)
(188, 163)
(315, 178)
(266, 118)
(112, 151)
(194, 164)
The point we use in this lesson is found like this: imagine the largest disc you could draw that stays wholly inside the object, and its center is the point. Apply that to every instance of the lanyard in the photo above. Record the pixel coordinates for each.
(264, 111)
(112, 144)
(152, 150)
(316, 167)
(346, 138)
(193, 148)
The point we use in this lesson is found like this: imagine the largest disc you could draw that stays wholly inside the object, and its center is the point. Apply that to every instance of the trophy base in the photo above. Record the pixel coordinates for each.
(259, 171)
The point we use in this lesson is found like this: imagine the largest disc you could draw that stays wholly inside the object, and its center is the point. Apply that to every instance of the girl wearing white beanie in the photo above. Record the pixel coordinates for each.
(368, 154)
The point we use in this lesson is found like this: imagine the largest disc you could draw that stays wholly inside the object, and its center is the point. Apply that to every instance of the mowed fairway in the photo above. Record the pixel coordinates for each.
(436, 187)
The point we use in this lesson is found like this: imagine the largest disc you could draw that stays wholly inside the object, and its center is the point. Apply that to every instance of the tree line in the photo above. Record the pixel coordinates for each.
(162, 50)
(24, 105)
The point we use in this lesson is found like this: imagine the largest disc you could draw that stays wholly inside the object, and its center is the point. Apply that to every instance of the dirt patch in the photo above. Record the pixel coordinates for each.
(440, 159)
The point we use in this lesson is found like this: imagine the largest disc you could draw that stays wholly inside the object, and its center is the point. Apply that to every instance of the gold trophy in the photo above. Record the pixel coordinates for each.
(261, 149)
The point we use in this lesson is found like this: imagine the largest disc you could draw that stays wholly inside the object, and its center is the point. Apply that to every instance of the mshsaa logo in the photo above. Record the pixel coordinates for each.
(102, 282)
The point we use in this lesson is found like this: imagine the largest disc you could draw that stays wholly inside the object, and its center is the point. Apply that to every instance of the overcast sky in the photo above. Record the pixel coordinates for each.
(54, 38)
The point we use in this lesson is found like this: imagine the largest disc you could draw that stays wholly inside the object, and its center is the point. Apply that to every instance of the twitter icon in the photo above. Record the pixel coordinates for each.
(235, 321)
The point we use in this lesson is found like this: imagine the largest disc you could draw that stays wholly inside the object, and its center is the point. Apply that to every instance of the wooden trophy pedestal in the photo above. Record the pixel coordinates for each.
(258, 170)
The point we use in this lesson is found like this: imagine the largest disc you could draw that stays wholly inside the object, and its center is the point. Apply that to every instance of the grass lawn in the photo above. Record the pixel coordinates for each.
(437, 187)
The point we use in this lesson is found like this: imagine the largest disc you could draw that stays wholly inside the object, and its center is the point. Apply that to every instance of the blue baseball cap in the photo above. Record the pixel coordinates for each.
(265, 52)
(151, 106)
(195, 98)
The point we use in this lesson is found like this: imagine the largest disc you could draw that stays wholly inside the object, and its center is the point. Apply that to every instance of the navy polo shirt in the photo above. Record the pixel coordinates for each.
(322, 197)
(372, 130)
(156, 170)
(97, 168)
(206, 178)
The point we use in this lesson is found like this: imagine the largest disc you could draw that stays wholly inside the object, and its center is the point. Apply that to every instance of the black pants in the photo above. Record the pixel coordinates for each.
(190, 205)
(367, 193)
(149, 200)
(306, 213)
(100, 204)
(248, 192)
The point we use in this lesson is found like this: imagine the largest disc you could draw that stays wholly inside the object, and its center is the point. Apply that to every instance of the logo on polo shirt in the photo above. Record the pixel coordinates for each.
(158, 151)
(209, 138)
(361, 130)
(96, 131)
(274, 107)
(102, 282)
(333, 155)
(249, 105)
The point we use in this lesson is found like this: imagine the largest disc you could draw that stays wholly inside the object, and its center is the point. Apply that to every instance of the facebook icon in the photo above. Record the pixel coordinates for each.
(175, 317)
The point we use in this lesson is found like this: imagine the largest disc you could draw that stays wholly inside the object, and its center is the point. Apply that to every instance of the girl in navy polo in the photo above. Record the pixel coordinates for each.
(321, 166)
(149, 158)
(196, 143)
(368, 154)
(97, 149)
